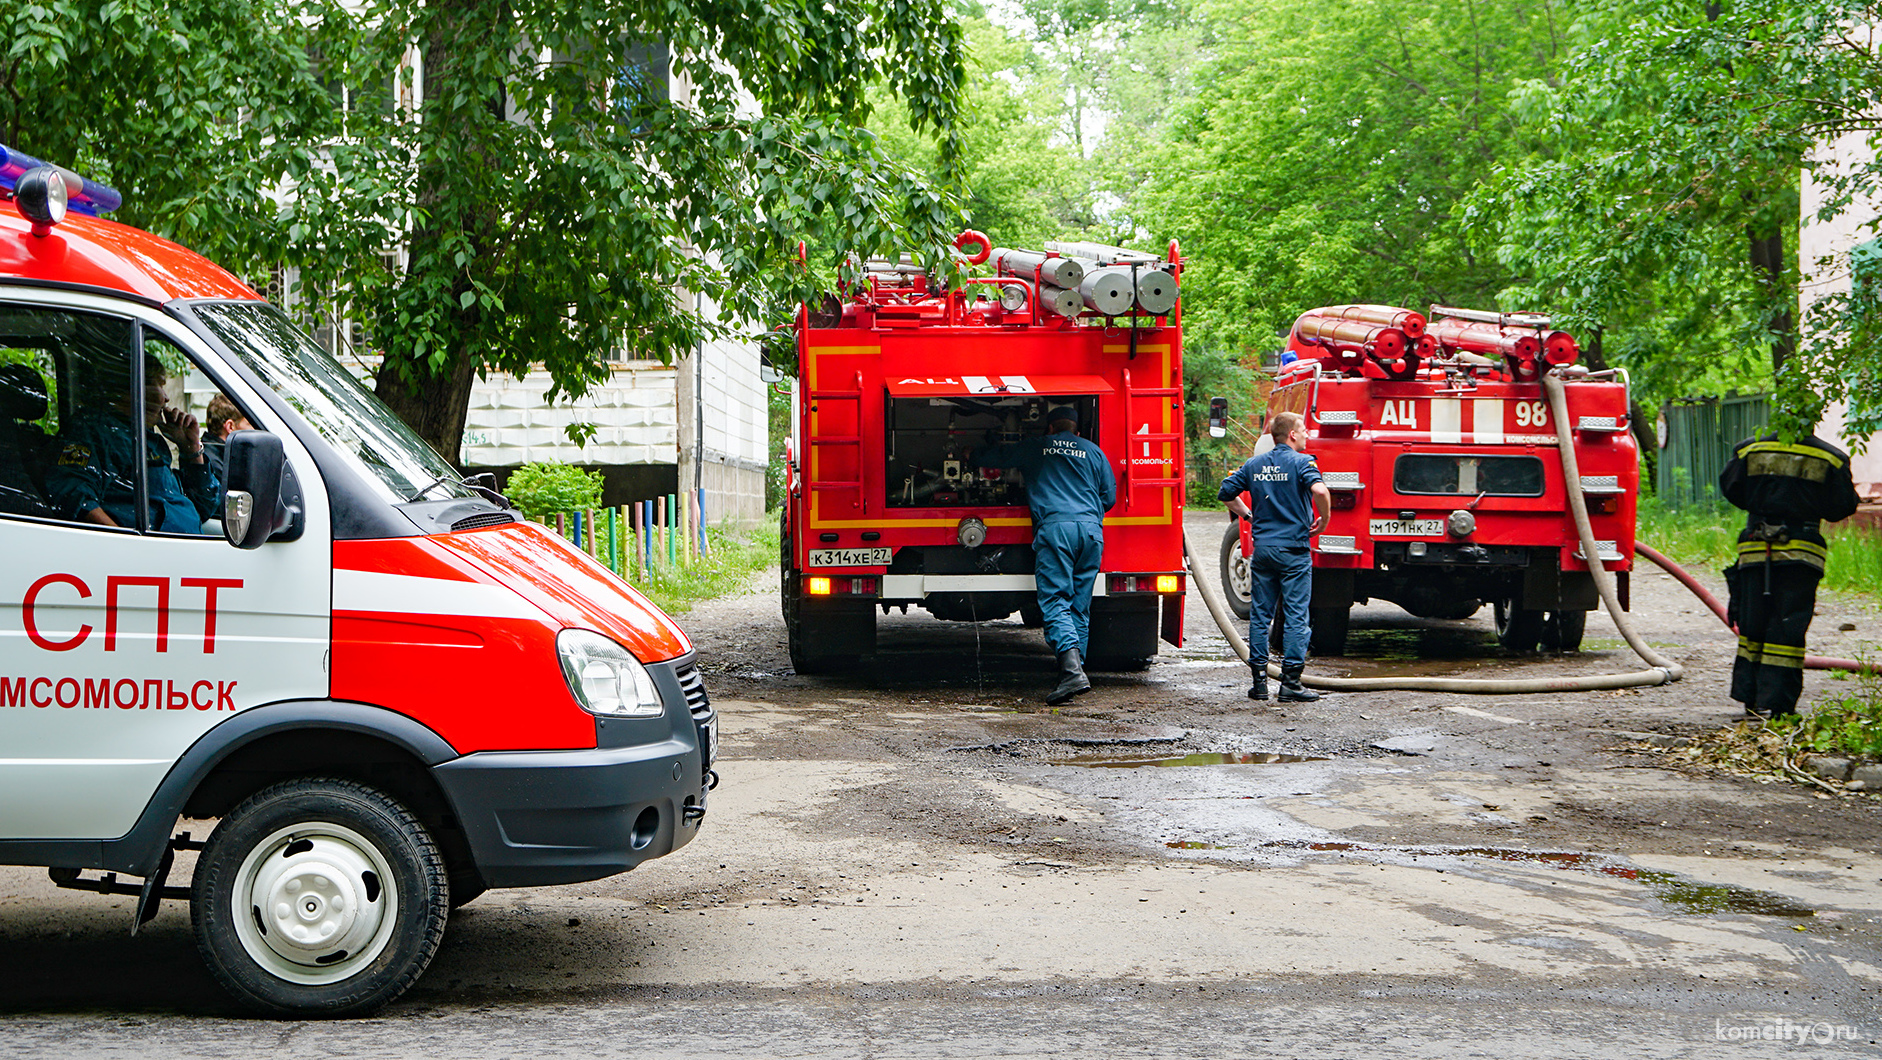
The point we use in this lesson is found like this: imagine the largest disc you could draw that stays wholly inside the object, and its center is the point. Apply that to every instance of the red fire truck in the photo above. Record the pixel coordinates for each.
(903, 378)
(1442, 456)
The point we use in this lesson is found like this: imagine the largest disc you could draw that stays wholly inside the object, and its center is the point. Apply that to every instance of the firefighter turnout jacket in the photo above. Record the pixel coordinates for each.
(1787, 489)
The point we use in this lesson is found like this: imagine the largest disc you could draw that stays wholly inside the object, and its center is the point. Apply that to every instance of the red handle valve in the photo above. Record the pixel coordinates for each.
(962, 241)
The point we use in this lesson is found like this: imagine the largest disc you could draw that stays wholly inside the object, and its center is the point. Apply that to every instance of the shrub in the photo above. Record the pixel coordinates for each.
(541, 490)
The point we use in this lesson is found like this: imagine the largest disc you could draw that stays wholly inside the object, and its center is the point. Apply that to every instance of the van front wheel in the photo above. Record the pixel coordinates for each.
(319, 897)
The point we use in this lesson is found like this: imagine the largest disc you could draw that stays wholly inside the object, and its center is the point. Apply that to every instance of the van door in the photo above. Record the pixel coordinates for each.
(128, 626)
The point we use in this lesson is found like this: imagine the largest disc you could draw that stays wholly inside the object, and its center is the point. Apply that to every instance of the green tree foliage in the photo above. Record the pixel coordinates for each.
(181, 105)
(541, 490)
(1020, 183)
(1654, 205)
(1327, 148)
(555, 202)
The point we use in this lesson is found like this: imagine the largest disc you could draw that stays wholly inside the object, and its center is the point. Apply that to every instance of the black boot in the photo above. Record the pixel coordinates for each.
(1292, 691)
(1259, 690)
(1072, 679)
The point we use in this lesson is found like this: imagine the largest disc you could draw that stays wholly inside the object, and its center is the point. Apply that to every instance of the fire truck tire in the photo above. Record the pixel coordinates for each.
(1329, 629)
(319, 897)
(1518, 628)
(1236, 587)
(1563, 630)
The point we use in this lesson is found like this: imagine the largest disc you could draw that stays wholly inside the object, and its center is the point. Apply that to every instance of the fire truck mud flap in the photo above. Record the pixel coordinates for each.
(547, 817)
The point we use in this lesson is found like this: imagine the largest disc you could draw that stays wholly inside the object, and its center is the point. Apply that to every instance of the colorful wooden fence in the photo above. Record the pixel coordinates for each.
(640, 540)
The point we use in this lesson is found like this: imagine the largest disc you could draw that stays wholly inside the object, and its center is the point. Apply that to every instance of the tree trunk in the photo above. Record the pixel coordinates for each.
(1768, 261)
(435, 401)
(434, 405)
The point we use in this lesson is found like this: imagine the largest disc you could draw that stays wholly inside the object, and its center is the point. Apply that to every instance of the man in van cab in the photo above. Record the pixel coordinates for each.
(94, 473)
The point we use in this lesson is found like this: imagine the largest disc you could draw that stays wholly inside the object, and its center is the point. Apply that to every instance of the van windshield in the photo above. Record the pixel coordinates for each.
(331, 400)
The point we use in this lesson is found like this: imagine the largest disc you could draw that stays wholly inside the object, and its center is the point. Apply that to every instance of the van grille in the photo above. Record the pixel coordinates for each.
(472, 522)
(697, 702)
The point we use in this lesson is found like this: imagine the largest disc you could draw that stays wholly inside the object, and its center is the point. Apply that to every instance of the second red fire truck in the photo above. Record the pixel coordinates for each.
(898, 383)
(1443, 458)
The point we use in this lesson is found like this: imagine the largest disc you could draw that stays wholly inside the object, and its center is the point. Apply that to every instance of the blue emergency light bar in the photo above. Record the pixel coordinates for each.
(82, 194)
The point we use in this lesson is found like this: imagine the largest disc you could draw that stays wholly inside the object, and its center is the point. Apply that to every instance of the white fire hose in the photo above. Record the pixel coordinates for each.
(1661, 669)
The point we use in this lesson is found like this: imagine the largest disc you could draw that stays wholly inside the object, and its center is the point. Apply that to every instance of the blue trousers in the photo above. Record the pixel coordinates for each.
(1065, 564)
(1282, 576)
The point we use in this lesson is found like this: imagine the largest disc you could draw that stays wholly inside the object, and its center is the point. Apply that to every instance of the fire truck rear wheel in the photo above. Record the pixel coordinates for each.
(1329, 629)
(319, 897)
(1236, 584)
(1518, 628)
(1562, 631)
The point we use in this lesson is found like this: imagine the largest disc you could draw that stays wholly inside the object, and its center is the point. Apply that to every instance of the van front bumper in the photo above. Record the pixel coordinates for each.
(545, 817)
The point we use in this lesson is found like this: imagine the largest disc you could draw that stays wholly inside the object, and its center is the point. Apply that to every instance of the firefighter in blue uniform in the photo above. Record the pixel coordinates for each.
(1786, 490)
(94, 473)
(1291, 503)
(1069, 487)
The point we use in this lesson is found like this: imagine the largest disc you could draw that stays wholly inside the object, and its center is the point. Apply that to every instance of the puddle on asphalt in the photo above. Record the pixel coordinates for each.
(1411, 645)
(1212, 758)
(1688, 896)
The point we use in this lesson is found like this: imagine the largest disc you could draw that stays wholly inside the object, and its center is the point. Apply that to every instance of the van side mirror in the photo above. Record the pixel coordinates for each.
(1218, 417)
(261, 500)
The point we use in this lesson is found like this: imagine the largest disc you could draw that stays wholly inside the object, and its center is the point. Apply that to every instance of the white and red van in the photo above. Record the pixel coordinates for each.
(389, 690)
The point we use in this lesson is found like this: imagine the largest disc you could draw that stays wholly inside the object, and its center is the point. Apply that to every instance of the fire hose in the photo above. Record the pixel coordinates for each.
(1661, 670)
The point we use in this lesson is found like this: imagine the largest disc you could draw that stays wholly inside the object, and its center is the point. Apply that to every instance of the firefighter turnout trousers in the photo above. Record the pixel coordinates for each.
(1768, 674)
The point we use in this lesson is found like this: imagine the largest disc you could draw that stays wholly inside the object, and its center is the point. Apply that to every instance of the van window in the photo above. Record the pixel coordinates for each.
(331, 400)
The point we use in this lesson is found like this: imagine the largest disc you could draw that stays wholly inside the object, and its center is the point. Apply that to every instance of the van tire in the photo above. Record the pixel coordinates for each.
(1236, 586)
(368, 888)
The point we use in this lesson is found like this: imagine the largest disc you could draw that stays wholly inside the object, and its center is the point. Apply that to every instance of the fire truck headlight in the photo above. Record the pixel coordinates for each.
(1461, 523)
(972, 533)
(605, 678)
(40, 196)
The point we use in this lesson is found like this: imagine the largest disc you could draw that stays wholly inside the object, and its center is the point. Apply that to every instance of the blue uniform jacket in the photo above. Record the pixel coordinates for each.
(96, 468)
(1280, 486)
(1068, 479)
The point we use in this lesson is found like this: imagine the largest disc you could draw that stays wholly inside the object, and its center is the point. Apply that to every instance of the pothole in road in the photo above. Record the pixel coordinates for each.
(1209, 758)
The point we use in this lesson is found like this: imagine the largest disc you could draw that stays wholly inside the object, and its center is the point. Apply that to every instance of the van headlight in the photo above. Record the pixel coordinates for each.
(605, 678)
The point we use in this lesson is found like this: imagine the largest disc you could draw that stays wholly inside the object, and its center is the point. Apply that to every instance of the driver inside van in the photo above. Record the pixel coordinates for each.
(94, 472)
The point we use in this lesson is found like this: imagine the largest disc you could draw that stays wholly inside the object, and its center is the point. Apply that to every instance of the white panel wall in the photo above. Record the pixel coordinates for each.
(1823, 260)
(512, 421)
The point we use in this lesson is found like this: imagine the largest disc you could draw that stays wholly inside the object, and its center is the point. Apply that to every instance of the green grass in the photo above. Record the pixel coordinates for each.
(735, 558)
(1706, 538)
(1697, 537)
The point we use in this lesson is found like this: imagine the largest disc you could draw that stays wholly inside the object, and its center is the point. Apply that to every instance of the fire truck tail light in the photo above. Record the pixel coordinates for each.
(1146, 583)
(1343, 501)
(604, 677)
(826, 586)
(1604, 505)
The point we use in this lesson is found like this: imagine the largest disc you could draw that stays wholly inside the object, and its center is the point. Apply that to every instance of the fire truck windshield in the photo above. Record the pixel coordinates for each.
(1467, 474)
(327, 395)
